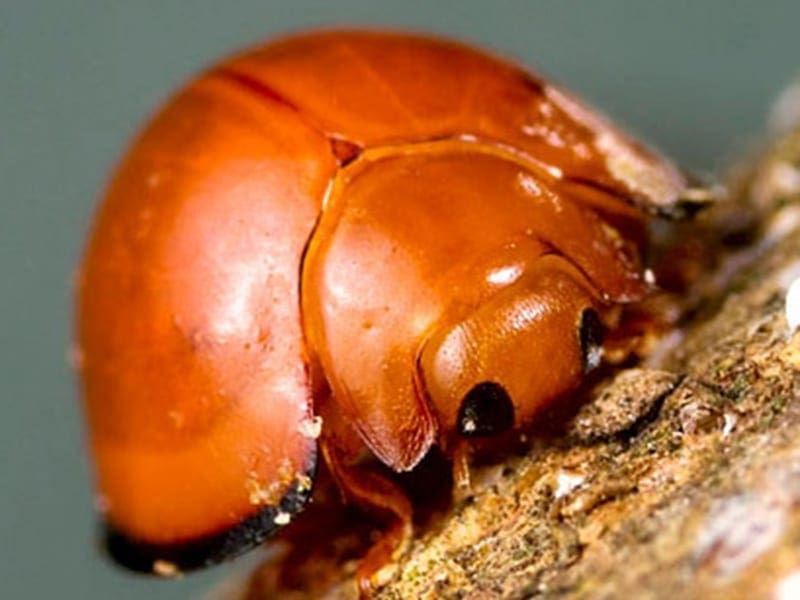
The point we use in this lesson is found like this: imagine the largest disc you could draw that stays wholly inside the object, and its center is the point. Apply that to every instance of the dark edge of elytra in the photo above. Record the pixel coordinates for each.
(188, 555)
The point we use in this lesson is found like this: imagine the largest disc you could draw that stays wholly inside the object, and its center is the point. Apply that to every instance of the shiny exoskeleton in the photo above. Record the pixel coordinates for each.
(336, 242)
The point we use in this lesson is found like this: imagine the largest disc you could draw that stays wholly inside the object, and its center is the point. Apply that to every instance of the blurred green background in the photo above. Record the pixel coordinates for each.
(76, 80)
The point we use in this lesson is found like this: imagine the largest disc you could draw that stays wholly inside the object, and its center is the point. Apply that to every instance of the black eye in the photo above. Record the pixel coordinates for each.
(485, 410)
(590, 336)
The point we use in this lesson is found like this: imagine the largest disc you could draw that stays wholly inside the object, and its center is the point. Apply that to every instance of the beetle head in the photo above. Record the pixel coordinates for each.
(499, 366)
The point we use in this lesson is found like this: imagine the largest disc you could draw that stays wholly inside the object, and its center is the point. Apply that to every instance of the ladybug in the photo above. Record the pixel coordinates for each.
(337, 243)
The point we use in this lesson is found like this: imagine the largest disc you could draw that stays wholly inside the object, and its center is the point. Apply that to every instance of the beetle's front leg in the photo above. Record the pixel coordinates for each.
(365, 485)
(462, 480)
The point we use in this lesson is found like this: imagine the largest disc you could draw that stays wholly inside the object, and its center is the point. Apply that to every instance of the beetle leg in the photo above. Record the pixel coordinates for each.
(373, 491)
(462, 481)
(366, 486)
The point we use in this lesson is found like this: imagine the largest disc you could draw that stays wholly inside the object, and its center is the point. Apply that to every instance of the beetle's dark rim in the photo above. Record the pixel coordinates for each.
(145, 557)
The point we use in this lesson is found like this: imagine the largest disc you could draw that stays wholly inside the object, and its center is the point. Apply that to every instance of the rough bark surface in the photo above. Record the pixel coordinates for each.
(681, 478)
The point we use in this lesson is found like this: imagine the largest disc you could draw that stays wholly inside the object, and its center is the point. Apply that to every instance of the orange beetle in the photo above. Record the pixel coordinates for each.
(336, 242)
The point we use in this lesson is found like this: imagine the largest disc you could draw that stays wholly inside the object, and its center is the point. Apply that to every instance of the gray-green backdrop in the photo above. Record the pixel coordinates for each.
(76, 79)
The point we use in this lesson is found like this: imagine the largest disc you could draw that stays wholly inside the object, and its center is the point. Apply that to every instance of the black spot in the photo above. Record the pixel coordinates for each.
(485, 410)
(590, 336)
